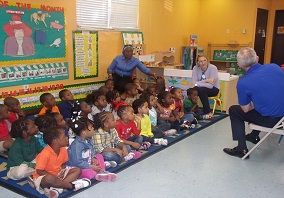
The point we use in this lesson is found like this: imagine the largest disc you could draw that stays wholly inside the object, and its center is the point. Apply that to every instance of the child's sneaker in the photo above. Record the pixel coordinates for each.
(105, 176)
(161, 141)
(110, 164)
(137, 154)
(170, 132)
(52, 192)
(130, 156)
(81, 183)
(145, 146)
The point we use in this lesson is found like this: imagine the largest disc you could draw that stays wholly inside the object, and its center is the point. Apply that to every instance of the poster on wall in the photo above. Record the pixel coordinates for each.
(34, 73)
(85, 44)
(136, 40)
(31, 32)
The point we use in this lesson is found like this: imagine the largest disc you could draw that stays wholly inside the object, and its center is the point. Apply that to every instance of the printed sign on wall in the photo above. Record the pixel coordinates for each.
(85, 54)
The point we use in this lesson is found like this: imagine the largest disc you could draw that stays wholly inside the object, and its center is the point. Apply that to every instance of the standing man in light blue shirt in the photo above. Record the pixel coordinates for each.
(122, 67)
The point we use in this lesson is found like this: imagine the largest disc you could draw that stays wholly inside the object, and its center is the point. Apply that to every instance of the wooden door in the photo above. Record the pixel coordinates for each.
(277, 55)
(260, 33)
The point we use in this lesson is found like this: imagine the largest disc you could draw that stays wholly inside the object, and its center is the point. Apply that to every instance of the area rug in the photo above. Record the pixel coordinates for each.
(23, 188)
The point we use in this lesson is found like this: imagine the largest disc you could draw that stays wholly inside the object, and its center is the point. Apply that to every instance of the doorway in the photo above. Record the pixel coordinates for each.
(278, 38)
(260, 33)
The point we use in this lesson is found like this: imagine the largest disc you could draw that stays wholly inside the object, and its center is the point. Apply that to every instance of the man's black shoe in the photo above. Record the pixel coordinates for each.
(236, 152)
(252, 138)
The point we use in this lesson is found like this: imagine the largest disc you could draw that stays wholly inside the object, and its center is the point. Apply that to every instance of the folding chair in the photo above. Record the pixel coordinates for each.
(216, 101)
(277, 129)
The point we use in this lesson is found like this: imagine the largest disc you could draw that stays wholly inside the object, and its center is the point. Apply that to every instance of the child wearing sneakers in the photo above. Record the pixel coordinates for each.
(165, 110)
(190, 103)
(127, 129)
(181, 117)
(49, 104)
(82, 154)
(68, 104)
(107, 142)
(5, 139)
(52, 175)
(24, 149)
(14, 108)
(161, 130)
(143, 122)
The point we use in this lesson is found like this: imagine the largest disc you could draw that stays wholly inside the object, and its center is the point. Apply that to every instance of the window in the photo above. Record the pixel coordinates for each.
(118, 14)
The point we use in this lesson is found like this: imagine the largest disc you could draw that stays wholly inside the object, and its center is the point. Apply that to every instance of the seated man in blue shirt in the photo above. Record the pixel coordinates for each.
(122, 67)
(260, 94)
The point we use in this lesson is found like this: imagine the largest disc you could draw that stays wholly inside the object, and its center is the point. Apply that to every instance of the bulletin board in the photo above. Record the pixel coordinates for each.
(35, 33)
(136, 40)
(85, 44)
(225, 55)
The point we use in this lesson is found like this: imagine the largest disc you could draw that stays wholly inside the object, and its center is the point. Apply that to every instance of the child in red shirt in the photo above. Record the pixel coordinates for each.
(14, 108)
(127, 129)
(5, 139)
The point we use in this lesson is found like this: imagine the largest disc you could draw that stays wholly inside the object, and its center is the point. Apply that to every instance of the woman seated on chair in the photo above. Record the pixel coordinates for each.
(206, 81)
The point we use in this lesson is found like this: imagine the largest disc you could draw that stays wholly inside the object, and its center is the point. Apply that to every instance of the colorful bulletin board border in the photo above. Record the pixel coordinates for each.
(30, 100)
(31, 32)
(85, 45)
(31, 74)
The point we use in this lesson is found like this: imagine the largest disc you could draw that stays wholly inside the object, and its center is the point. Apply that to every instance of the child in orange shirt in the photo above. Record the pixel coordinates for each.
(52, 175)
(49, 104)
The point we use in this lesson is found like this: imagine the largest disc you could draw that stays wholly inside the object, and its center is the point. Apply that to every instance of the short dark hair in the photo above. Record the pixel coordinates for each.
(122, 109)
(108, 80)
(138, 103)
(162, 96)
(191, 90)
(93, 97)
(10, 101)
(43, 97)
(130, 86)
(111, 95)
(62, 92)
(146, 96)
(174, 89)
(51, 134)
(18, 127)
(46, 121)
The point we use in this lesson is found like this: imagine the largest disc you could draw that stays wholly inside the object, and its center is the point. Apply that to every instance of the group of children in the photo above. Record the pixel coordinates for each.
(65, 146)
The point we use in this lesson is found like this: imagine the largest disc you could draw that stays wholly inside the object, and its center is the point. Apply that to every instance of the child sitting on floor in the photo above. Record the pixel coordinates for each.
(143, 122)
(107, 142)
(131, 93)
(99, 103)
(109, 84)
(14, 108)
(68, 104)
(190, 103)
(182, 118)
(127, 129)
(114, 99)
(49, 104)
(86, 110)
(5, 139)
(165, 110)
(52, 175)
(24, 149)
(82, 154)
(136, 81)
(161, 130)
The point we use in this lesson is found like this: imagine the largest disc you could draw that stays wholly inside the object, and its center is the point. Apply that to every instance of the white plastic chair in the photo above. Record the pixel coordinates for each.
(277, 129)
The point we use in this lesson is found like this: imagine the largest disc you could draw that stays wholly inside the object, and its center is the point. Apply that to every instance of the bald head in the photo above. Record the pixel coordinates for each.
(246, 57)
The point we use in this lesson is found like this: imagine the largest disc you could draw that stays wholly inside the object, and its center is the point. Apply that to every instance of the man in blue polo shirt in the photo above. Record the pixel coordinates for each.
(260, 94)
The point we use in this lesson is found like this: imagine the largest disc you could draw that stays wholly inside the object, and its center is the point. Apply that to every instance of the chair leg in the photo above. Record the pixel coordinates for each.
(262, 139)
(214, 105)
(280, 139)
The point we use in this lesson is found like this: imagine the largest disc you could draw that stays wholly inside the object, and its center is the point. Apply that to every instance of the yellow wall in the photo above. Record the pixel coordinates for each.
(168, 23)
